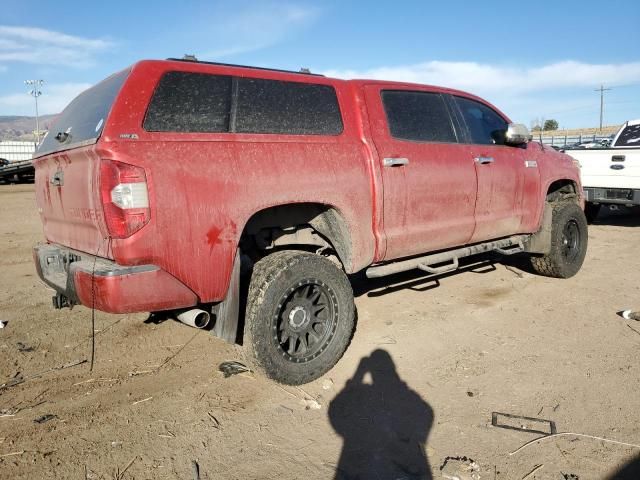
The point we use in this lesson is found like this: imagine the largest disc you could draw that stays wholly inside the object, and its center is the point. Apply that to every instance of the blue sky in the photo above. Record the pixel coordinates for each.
(533, 60)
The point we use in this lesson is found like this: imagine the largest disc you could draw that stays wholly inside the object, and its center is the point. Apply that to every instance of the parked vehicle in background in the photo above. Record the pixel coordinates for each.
(603, 143)
(158, 184)
(596, 144)
(611, 175)
(15, 161)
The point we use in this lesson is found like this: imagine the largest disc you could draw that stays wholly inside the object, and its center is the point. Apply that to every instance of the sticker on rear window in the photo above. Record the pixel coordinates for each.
(99, 125)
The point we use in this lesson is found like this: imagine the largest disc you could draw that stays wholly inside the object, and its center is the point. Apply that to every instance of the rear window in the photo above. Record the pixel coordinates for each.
(190, 102)
(81, 123)
(418, 116)
(288, 108)
(630, 137)
(205, 103)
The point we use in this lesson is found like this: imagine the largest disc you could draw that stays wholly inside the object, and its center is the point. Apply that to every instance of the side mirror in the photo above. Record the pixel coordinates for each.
(517, 134)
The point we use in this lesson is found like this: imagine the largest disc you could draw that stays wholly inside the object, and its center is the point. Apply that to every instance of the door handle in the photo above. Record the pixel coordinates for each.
(395, 162)
(483, 160)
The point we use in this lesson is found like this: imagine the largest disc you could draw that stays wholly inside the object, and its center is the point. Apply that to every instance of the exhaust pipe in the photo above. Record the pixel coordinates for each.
(194, 318)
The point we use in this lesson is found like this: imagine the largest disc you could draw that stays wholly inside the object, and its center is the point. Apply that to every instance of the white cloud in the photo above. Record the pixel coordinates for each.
(255, 27)
(562, 90)
(48, 47)
(485, 78)
(53, 99)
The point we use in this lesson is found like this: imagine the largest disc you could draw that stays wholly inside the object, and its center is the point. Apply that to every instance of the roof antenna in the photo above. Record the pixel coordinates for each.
(305, 70)
(189, 57)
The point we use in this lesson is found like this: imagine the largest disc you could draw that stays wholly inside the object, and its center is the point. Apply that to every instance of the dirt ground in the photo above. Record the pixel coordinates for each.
(430, 358)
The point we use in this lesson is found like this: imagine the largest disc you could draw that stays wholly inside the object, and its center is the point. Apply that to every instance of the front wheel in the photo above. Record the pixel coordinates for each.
(568, 242)
(300, 316)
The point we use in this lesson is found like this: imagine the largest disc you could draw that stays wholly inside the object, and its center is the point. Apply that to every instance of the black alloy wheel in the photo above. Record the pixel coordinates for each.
(571, 241)
(306, 320)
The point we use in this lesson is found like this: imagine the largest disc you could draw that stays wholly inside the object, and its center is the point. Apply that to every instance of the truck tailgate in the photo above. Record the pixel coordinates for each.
(68, 199)
(612, 168)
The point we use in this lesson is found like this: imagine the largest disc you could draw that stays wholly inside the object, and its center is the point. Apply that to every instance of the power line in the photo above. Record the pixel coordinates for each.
(601, 90)
(626, 85)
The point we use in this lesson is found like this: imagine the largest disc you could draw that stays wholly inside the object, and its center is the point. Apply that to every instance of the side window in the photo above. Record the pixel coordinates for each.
(630, 137)
(485, 126)
(418, 116)
(289, 108)
(190, 102)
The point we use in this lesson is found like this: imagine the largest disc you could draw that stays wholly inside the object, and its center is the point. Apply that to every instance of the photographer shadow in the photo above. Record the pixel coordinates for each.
(384, 424)
(630, 471)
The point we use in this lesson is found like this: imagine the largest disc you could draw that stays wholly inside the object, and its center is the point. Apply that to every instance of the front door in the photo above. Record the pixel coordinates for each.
(429, 178)
(504, 173)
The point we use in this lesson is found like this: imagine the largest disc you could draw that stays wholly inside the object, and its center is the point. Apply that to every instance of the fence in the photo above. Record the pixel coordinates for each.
(17, 151)
(564, 140)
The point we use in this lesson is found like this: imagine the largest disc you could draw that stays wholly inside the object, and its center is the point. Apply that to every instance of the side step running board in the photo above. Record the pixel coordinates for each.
(506, 246)
(519, 248)
(443, 269)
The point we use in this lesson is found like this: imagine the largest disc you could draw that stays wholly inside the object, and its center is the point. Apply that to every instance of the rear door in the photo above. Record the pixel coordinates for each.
(67, 169)
(507, 178)
(429, 179)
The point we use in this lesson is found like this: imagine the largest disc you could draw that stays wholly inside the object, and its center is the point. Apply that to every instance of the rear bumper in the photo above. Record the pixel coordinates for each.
(620, 196)
(79, 278)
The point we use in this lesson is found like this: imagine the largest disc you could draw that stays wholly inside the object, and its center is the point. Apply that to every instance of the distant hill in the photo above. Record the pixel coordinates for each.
(13, 127)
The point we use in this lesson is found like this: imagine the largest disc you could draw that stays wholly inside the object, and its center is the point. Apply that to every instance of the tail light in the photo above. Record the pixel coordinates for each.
(125, 198)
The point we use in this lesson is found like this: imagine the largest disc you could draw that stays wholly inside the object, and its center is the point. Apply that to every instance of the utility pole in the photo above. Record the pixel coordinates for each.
(601, 90)
(35, 92)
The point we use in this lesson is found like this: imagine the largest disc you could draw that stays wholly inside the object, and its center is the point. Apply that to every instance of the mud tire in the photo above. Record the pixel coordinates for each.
(569, 238)
(275, 283)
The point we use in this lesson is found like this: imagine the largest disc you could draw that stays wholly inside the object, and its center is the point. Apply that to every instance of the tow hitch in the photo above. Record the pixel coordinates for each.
(53, 266)
(60, 301)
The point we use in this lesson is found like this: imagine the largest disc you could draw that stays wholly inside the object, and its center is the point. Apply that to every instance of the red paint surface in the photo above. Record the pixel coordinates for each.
(204, 187)
(213, 236)
(140, 292)
(429, 203)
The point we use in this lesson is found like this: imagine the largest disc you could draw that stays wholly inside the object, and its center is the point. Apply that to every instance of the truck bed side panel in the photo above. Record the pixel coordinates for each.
(204, 187)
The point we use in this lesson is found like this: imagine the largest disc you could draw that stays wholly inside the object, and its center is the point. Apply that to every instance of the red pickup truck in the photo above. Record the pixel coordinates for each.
(248, 196)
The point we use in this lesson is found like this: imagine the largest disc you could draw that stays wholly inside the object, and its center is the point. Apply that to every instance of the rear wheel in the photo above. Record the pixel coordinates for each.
(568, 242)
(591, 211)
(300, 316)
